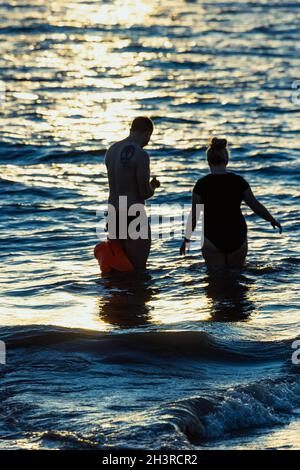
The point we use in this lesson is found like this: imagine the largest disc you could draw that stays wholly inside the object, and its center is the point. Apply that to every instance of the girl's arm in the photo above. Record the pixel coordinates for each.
(259, 208)
(191, 221)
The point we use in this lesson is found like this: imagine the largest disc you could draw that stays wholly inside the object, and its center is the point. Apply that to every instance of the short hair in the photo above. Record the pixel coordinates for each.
(217, 152)
(142, 124)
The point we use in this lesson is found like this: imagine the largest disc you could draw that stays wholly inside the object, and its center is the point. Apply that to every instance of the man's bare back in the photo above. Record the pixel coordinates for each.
(128, 172)
(128, 169)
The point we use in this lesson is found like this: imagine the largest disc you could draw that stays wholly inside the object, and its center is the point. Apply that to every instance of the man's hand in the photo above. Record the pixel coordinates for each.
(154, 183)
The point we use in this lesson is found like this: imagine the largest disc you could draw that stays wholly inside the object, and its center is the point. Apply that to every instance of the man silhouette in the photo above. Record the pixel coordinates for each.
(128, 170)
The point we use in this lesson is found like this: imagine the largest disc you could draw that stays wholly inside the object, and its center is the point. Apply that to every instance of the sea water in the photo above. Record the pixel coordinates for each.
(177, 358)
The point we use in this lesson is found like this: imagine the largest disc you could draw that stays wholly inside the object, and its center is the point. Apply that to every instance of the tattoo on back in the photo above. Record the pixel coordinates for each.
(127, 154)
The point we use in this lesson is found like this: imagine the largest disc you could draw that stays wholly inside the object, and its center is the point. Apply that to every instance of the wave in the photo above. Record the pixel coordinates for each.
(16, 153)
(151, 345)
(260, 404)
(212, 413)
(66, 440)
(14, 188)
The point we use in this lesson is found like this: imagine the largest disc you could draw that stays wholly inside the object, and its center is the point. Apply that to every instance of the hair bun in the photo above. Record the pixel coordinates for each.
(218, 143)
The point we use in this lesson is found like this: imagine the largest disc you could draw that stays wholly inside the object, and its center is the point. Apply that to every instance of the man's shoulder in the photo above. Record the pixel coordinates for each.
(113, 151)
(113, 147)
(110, 151)
(128, 145)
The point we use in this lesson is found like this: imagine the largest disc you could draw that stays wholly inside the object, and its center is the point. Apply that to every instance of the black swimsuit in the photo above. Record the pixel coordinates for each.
(224, 224)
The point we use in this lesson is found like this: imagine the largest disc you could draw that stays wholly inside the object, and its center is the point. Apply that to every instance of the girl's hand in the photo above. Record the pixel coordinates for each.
(183, 247)
(275, 224)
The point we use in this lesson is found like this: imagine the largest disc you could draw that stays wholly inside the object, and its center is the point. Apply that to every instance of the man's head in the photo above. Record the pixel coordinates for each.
(141, 129)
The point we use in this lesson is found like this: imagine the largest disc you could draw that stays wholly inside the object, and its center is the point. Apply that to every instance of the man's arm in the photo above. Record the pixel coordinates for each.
(146, 190)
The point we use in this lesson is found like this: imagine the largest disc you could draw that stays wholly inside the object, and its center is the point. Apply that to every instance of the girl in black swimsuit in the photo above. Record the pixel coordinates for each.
(221, 192)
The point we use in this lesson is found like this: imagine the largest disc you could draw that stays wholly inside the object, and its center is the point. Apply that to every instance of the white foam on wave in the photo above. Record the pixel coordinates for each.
(262, 404)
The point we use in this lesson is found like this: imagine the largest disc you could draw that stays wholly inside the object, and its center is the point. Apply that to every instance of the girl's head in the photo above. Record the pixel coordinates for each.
(217, 152)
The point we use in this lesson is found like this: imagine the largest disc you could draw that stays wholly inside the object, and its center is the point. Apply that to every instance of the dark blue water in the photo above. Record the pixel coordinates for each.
(177, 358)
